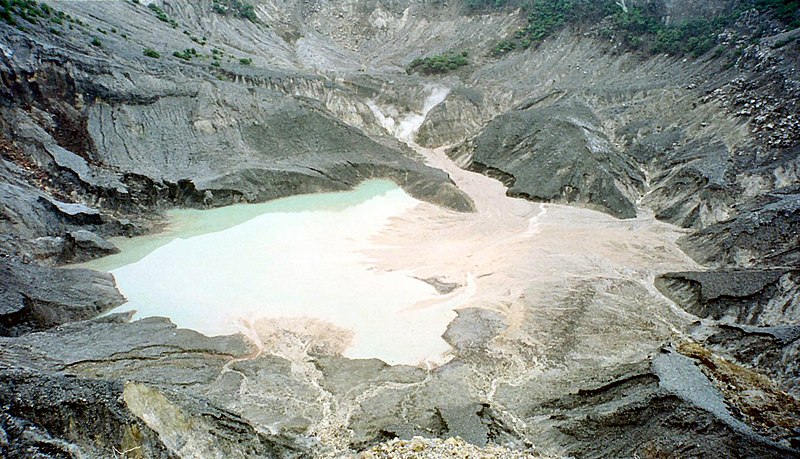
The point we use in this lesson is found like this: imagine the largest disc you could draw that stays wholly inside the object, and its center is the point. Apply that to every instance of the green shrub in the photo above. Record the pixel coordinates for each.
(786, 11)
(544, 17)
(150, 52)
(245, 61)
(96, 42)
(8, 17)
(160, 14)
(186, 54)
(237, 8)
(640, 27)
(504, 47)
(27, 10)
(643, 30)
(438, 64)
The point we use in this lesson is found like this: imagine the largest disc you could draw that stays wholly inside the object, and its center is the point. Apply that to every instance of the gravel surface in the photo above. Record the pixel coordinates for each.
(435, 448)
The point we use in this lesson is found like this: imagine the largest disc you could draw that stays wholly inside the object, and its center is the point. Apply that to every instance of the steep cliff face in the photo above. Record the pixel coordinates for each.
(111, 112)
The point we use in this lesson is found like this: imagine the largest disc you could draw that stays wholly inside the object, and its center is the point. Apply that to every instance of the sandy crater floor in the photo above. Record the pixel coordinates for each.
(569, 283)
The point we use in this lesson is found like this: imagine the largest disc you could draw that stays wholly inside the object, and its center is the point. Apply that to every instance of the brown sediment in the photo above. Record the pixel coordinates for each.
(766, 407)
(318, 336)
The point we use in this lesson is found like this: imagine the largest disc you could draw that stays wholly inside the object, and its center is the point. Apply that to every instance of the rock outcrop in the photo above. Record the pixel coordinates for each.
(33, 297)
(557, 152)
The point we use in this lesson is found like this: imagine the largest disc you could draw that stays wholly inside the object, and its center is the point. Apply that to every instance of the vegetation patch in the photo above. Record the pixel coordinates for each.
(643, 29)
(161, 15)
(187, 54)
(438, 64)
(199, 41)
(504, 47)
(640, 27)
(236, 8)
(150, 52)
(26, 10)
(32, 12)
(785, 11)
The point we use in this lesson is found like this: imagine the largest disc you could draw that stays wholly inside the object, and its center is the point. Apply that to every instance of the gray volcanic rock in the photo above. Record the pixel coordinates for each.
(83, 245)
(442, 287)
(47, 248)
(667, 405)
(473, 329)
(189, 426)
(557, 153)
(26, 215)
(678, 375)
(762, 297)
(47, 415)
(759, 315)
(76, 213)
(771, 350)
(34, 297)
(276, 146)
(693, 184)
(123, 345)
(125, 141)
(92, 176)
(209, 391)
(440, 404)
(162, 360)
(766, 231)
(460, 116)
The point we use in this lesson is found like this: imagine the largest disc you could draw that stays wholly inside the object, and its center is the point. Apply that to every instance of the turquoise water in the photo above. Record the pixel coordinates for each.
(187, 223)
(297, 260)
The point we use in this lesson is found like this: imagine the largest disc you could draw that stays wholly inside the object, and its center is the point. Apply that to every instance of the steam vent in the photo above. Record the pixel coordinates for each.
(395, 229)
